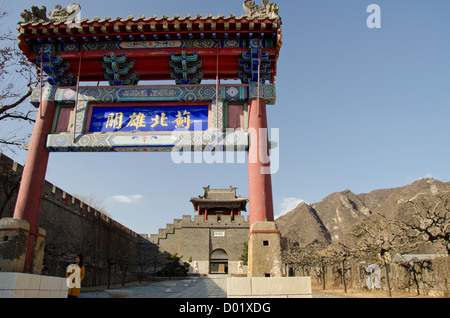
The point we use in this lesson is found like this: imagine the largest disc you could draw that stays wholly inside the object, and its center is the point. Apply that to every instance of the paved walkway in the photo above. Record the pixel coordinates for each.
(212, 286)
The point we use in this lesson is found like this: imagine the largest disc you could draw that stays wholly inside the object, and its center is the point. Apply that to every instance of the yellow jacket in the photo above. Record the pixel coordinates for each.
(76, 291)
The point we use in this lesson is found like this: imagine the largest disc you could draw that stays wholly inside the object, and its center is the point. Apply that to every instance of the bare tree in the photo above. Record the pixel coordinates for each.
(377, 237)
(414, 272)
(340, 253)
(18, 77)
(9, 183)
(321, 260)
(426, 218)
(307, 258)
(290, 251)
(297, 256)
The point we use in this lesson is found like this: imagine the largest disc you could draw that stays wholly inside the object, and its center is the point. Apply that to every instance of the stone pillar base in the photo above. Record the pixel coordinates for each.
(269, 287)
(14, 234)
(264, 250)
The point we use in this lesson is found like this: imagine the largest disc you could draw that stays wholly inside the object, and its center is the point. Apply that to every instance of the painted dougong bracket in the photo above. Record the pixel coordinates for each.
(186, 68)
(117, 70)
(54, 68)
(250, 70)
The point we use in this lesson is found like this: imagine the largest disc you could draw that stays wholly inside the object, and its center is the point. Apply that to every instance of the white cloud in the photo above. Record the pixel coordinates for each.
(288, 204)
(126, 198)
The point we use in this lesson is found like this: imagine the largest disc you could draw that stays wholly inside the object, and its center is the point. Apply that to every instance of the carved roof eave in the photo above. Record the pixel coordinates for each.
(153, 18)
(201, 200)
(85, 29)
(239, 202)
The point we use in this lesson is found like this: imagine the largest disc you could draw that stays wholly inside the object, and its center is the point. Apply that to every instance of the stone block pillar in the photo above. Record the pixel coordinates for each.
(14, 236)
(264, 250)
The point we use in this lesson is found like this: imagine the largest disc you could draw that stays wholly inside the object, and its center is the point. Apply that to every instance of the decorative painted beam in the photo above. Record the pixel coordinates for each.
(126, 45)
(122, 94)
(227, 93)
(266, 92)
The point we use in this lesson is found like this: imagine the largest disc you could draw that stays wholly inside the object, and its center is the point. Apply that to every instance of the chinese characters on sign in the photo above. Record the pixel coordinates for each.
(149, 119)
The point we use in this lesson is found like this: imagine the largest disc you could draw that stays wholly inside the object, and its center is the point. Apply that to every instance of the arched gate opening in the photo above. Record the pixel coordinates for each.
(218, 262)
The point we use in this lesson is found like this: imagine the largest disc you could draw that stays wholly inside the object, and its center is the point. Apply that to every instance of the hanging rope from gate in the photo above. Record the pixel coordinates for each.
(41, 80)
(76, 94)
(259, 76)
(217, 84)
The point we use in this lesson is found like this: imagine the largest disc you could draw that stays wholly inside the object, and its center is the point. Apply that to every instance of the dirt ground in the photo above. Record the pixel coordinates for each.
(365, 293)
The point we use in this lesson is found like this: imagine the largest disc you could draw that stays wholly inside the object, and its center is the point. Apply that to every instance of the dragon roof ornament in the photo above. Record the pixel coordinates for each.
(268, 10)
(59, 14)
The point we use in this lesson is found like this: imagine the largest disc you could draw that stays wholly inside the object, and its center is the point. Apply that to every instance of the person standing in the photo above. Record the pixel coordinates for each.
(77, 271)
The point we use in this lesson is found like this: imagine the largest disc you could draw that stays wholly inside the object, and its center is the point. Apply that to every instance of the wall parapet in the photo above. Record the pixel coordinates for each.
(214, 221)
(59, 197)
(198, 221)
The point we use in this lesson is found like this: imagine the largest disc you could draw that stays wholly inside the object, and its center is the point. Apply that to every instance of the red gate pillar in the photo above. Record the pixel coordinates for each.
(33, 177)
(259, 177)
(264, 249)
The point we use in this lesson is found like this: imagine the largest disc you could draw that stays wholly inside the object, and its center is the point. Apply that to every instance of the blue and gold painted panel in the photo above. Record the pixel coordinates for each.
(148, 119)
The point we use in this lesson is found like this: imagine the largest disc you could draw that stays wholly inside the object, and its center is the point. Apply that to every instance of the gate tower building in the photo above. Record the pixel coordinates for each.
(212, 240)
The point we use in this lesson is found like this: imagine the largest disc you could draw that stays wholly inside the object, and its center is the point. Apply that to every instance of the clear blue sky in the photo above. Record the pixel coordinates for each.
(357, 108)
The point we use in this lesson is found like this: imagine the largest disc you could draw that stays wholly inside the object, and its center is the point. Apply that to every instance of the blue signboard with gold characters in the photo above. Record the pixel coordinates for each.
(107, 119)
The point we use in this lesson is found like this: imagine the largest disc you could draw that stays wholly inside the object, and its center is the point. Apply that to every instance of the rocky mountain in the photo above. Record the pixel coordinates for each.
(330, 219)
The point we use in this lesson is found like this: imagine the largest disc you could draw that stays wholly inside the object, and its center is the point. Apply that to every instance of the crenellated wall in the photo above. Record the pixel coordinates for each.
(73, 227)
(198, 221)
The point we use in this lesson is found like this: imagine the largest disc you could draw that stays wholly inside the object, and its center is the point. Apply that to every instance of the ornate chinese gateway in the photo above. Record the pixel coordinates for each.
(220, 69)
(125, 52)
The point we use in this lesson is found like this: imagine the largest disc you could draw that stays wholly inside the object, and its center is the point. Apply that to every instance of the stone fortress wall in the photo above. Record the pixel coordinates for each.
(74, 227)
